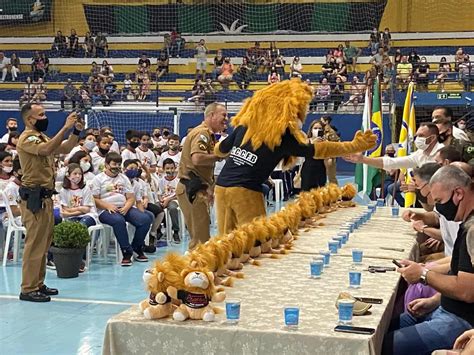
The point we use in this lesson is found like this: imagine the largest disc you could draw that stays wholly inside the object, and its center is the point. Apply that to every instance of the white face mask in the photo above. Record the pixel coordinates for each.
(85, 166)
(420, 143)
(89, 145)
(462, 126)
(315, 132)
(7, 169)
(75, 180)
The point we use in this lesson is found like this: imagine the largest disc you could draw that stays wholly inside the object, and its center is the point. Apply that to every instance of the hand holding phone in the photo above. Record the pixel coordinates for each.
(397, 263)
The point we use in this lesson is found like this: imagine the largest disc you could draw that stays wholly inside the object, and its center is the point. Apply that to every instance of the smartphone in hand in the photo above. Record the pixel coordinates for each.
(397, 263)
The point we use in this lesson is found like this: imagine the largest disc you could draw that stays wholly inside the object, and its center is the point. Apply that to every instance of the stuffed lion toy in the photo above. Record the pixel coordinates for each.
(267, 130)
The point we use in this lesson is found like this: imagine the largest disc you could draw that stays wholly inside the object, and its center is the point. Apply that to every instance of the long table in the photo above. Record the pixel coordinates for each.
(266, 289)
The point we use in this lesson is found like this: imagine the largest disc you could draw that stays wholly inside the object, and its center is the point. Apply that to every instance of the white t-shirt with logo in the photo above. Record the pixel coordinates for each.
(112, 189)
(98, 163)
(12, 191)
(128, 154)
(167, 188)
(165, 155)
(77, 198)
(147, 158)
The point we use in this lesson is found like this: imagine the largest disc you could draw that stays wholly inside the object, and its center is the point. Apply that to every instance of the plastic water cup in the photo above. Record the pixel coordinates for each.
(292, 315)
(339, 240)
(232, 310)
(354, 278)
(344, 235)
(345, 307)
(327, 257)
(395, 211)
(372, 207)
(357, 255)
(316, 267)
(348, 226)
(380, 202)
(333, 246)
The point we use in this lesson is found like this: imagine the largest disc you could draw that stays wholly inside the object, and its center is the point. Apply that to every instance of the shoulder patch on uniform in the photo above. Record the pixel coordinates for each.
(33, 139)
(203, 138)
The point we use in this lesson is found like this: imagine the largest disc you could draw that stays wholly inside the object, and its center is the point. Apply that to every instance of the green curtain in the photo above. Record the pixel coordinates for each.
(261, 18)
(331, 17)
(131, 19)
(194, 19)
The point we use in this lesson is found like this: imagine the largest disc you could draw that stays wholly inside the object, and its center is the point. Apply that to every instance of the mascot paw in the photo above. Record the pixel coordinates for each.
(160, 298)
(209, 317)
(147, 313)
(178, 316)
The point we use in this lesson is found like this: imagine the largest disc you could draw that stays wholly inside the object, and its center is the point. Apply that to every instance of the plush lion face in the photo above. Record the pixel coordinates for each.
(198, 280)
(159, 277)
(348, 192)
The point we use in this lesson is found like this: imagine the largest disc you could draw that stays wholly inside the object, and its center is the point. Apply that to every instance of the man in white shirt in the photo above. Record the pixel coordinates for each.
(145, 154)
(4, 64)
(12, 126)
(445, 113)
(172, 153)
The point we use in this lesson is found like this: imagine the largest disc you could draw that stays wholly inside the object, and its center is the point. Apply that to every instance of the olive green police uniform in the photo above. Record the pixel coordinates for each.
(331, 136)
(38, 171)
(196, 213)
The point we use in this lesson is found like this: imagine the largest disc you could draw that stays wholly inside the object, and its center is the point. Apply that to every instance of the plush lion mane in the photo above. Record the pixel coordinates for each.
(162, 276)
(272, 110)
(348, 192)
(211, 289)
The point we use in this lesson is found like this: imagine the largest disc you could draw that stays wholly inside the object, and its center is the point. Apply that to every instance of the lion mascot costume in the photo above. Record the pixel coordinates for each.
(267, 130)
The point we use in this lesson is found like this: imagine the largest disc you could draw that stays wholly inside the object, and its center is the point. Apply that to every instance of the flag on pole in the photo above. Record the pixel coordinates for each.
(366, 176)
(407, 134)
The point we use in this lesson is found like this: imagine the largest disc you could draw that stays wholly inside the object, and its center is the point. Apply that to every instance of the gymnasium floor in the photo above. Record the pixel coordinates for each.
(74, 321)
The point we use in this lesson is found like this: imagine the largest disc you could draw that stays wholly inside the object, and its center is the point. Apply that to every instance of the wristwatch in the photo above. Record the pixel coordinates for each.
(423, 277)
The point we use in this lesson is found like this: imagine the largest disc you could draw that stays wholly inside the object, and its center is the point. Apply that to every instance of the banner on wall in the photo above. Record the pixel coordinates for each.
(24, 11)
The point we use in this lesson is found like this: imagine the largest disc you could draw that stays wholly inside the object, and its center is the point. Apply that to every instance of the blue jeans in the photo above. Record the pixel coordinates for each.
(88, 221)
(410, 335)
(398, 194)
(140, 220)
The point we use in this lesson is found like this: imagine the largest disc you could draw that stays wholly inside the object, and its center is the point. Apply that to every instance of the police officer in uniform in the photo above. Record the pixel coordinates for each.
(36, 152)
(196, 173)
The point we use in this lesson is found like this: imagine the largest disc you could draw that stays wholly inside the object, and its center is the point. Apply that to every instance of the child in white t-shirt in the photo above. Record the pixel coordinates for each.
(167, 195)
(6, 167)
(98, 155)
(172, 153)
(144, 154)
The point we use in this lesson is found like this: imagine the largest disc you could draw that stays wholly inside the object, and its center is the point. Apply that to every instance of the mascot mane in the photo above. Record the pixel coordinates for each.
(272, 110)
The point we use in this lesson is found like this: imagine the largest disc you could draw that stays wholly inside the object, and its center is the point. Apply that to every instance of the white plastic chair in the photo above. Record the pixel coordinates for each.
(14, 229)
(98, 230)
(169, 226)
(279, 192)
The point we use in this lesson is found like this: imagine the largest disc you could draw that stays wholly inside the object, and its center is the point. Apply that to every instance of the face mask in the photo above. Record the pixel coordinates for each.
(103, 151)
(420, 143)
(420, 197)
(7, 169)
(157, 135)
(75, 180)
(12, 129)
(134, 145)
(391, 155)
(85, 166)
(41, 125)
(448, 209)
(131, 174)
(462, 126)
(174, 148)
(166, 133)
(114, 171)
(442, 137)
(89, 145)
(170, 173)
(315, 132)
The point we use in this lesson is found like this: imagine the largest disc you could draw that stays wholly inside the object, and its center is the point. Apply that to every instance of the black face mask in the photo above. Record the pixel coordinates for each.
(420, 197)
(12, 129)
(391, 155)
(41, 125)
(442, 137)
(166, 133)
(157, 135)
(134, 145)
(448, 209)
(103, 151)
(115, 171)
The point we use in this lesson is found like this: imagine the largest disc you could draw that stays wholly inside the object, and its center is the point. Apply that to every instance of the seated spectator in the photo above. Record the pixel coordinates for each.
(11, 126)
(167, 44)
(133, 142)
(356, 92)
(382, 61)
(110, 89)
(209, 92)
(458, 58)
(177, 43)
(6, 167)
(404, 71)
(162, 67)
(11, 189)
(73, 43)
(39, 66)
(374, 42)
(59, 44)
(101, 46)
(167, 195)
(244, 74)
(172, 153)
(443, 69)
(338, 52)
(466, 73)
(28, 92)
(141, 73)
(97, 90)
(197, 92)
(273, 76)
(279, 65)
(351, 54)
(127, 86)
(144, 60)
(94, 72)
(201, 59)
(329, 67)
(386, 39)
(337, 93)
(273, 52)
(422, 73)
(106, 71)
(69, 94)
(40, 91)
(448, 155)
(341, 71)
(397, 58)
(329, 55)
(144, 90)
(145, 154)
(258, 57)
(218, 61)
(296, 68)
(88, 45)
(115, 200)
(85, 96)
(14, 66)
(323, 93)
(414, 59)
(98, 156)
(435, 322)
(227, 71)
(4, 65)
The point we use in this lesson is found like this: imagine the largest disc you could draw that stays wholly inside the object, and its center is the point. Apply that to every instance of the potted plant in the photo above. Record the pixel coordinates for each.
(70, 240)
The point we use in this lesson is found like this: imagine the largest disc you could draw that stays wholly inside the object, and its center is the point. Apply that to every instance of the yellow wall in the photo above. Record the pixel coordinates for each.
(428, 16)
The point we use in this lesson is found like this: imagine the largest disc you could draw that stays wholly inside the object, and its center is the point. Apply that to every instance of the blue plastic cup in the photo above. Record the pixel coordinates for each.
(395, 211)
(232, 310)
(316, 267)
(344, 235)
(354, 278)
(327, 257)
(348, 226)
(380, 202)
(292, 315)
(357, 255)
(339, 240)
(333, 246)
(346, 308)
